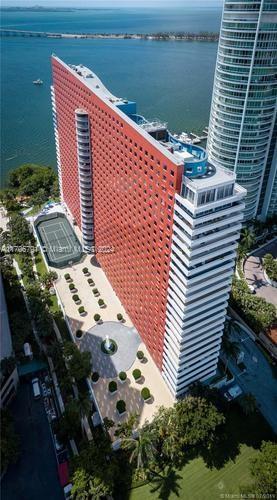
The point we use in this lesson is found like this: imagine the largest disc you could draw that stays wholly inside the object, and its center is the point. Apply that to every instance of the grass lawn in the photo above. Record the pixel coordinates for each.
(35, 210)
(197, 482)
(216, 472)
(41, 269)
(40, 265)
(25, 278)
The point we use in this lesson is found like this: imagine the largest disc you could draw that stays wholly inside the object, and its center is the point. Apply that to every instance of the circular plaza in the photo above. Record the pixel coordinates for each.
(126, 340)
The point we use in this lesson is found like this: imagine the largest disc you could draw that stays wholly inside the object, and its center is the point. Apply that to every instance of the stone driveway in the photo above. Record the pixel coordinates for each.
(127, 340)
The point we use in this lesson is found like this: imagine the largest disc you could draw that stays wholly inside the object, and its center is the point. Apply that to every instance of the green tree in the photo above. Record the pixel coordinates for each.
(79, 363)
(26, 266)
(40, 197)
(19, 231)
(270, 266)
(21, 329)
(98, 464)
(247, 239)
(124, 429)
(142, 449)
(39, 301)
(80, 485)
(28, 179)
(55, 190)
(9, 441)
(83, 404)
(69, 425)
(48, 278)
(190, 422)
(108, 424)
(87, 487)
(264, 469)
(7, 198)
(6, 266)
(258, 313)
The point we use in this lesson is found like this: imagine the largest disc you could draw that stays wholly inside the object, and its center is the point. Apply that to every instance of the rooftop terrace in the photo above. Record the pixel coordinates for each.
(194, 158)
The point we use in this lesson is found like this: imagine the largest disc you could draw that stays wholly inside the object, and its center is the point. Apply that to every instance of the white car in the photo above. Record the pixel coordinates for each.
(233, 393)
(58, 445)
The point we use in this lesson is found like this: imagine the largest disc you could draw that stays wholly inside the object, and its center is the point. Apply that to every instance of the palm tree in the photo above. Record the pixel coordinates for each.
(125, 429)
(241, 252)
(142, 448)
(247, 239)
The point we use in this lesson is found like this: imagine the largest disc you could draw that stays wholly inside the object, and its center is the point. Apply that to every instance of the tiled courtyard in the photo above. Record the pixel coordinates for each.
(126, 337)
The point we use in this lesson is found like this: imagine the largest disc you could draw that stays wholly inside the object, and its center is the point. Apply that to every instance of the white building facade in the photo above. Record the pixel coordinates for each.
(243, 111)
(207, 222)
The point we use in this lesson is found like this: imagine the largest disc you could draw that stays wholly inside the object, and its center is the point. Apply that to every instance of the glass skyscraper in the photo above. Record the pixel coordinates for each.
(242, 128)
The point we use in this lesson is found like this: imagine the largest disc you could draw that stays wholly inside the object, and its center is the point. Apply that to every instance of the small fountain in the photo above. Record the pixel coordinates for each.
(108, 346)
(108, 343)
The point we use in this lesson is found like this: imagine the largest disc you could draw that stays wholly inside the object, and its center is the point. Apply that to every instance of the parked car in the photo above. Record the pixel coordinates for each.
(58, 445)
(67, 491)
(36, 388)
(233, 392)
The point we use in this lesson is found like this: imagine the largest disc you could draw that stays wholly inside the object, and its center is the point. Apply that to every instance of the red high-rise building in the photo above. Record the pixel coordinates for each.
(119, 177)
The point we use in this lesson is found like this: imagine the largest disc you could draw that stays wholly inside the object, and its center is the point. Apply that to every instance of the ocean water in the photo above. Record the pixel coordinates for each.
(194, 17)
(169, 80)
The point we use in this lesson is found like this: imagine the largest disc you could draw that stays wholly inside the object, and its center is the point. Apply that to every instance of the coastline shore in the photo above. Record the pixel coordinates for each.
(205, 36)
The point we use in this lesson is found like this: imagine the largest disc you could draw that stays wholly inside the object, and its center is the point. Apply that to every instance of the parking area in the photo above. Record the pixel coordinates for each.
(35, 475)
(259, 377)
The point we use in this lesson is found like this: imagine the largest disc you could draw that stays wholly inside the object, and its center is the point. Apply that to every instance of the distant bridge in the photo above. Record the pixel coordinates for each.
(41, 34)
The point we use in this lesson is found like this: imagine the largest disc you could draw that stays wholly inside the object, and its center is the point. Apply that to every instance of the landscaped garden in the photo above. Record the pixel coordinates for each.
(270, 266)
(259, 314)
(225, 469)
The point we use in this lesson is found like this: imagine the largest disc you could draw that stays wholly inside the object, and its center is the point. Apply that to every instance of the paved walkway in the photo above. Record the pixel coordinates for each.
(254, 275)
(127, 340)
(130, 392)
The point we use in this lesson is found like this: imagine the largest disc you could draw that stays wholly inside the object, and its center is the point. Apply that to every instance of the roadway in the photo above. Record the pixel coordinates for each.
(259, 378)
(254, 275)
(35, 475)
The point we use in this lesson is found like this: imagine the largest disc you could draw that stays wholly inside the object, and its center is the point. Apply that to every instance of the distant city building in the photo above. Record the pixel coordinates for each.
(242, 129)
(9, 381)
(164, 222)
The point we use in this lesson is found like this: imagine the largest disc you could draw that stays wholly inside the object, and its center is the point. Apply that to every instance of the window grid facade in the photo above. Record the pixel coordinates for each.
(244, 97)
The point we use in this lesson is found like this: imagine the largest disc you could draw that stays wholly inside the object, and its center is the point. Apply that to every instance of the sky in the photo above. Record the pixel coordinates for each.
(109, 3)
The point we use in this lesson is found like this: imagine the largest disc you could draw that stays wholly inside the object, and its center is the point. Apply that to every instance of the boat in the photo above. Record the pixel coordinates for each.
(38, 82)
(185, 137)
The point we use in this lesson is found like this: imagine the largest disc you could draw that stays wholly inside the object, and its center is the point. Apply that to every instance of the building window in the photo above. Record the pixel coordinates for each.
(206, 197)
(188, 194)
(225, 192)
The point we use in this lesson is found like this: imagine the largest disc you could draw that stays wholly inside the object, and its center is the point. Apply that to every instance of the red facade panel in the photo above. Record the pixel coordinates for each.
(133, 192)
